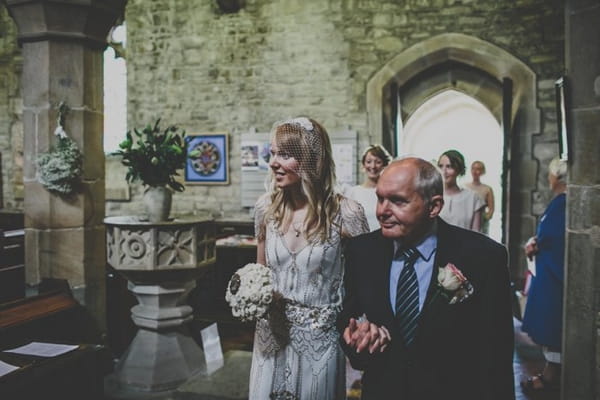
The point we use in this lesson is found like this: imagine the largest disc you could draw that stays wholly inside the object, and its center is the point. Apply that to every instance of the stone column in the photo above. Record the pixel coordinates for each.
(62, 44)
(581, 351)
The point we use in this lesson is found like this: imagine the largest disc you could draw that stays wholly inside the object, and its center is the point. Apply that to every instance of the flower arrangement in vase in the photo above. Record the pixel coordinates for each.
(153, 156)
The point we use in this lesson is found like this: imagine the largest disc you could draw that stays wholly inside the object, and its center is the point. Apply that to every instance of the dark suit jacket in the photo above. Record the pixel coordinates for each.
(460, 351)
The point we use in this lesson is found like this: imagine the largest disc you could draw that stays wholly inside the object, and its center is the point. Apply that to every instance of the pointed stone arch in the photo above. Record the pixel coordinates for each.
(464, 49)
(460, 52)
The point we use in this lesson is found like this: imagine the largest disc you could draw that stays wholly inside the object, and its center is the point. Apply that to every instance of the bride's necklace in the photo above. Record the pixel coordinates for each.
(297, 222)
(297, 228)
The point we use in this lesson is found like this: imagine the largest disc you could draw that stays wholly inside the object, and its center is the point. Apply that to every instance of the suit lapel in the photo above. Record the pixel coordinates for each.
(441, 259)
(434, 302)
(387, 253)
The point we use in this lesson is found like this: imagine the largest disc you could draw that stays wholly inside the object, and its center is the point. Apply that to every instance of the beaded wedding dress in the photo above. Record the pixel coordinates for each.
(296, 351)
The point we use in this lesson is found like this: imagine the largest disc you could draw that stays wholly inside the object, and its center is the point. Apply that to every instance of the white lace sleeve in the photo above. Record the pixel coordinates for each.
(259, 216)
(354, 222)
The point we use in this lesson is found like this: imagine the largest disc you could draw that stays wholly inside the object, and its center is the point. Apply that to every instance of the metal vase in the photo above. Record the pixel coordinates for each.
(157, 200)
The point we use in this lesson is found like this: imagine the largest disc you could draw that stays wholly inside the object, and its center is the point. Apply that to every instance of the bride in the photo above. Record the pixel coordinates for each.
(300, 224)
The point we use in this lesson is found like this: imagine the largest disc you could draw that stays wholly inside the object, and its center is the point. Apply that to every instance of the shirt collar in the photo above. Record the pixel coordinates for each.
(427, 246)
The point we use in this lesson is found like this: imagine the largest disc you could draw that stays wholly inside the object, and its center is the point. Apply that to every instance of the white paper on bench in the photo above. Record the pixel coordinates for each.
(43, 349)
(5, 368)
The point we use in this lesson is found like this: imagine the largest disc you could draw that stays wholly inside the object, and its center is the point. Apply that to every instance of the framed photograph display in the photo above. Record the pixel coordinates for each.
(561, 119)
(207, 162)
(255, 155)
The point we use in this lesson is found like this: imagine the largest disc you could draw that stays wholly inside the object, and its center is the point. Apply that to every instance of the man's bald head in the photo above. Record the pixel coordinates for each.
(409, 198)
(428, 180)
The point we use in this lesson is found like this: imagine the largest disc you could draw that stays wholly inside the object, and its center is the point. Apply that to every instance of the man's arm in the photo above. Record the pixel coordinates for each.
(350, 307)
(360, 339)
(365, 336)
(498, 330)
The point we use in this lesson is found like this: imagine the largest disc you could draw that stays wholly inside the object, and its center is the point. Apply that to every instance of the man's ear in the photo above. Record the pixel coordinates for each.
(435, 205)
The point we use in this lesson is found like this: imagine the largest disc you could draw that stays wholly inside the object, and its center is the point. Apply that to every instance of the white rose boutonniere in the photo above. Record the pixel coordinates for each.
(453, 284)
(250, 292)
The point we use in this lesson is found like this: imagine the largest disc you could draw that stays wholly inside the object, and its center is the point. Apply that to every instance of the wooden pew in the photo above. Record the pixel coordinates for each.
(12, 265)
(11, 219)
(12, 255)
(55, 317)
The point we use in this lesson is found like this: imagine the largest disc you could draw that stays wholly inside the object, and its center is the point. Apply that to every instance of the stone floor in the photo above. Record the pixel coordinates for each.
(231, 381)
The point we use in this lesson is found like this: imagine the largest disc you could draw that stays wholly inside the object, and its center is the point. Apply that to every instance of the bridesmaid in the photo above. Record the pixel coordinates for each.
(484, 191)
(462, 207)
(375, 158)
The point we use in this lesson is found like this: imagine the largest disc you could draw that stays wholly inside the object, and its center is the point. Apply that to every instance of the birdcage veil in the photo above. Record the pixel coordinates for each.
(307, 142)
(299, 138)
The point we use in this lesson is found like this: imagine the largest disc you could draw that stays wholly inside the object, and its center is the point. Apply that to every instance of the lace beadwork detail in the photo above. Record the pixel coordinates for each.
(354, 221)
(296, 354)
(322, 318)
(302, 326)
(285, 395)
(259, 216)
(303, 122)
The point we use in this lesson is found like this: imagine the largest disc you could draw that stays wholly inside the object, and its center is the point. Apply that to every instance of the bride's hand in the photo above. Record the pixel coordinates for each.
(363, 335)
(384, 338)
(380, 338)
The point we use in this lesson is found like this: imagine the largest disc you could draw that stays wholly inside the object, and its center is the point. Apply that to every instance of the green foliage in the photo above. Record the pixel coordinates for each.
(60, 169)
(154, 155)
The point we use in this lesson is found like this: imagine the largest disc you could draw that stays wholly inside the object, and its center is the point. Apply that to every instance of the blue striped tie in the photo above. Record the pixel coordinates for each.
(407, 295)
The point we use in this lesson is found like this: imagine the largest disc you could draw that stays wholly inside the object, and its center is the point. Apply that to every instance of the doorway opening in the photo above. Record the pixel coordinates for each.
(454, 120)
(115, 89)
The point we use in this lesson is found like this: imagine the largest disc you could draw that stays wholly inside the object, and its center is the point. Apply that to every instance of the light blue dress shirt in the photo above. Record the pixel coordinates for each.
(423, 268)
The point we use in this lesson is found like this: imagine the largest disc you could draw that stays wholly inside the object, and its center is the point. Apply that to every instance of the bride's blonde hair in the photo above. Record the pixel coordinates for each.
(307, 141)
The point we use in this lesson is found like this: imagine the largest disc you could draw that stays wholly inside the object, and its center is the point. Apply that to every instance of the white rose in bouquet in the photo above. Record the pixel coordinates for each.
(250, 292)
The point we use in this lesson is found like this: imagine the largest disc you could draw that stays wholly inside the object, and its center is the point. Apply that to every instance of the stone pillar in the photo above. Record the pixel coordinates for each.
(581, 345)
(62, 44)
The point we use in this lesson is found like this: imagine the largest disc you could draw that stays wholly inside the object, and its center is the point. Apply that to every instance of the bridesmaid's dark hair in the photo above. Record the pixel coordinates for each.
(456, 160)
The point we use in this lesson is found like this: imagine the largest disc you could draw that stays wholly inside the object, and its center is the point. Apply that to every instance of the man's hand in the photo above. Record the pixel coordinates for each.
(531, 247)
(362, 334)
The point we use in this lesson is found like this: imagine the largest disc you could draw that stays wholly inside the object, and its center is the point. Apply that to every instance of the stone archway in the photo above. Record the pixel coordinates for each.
(464, 53)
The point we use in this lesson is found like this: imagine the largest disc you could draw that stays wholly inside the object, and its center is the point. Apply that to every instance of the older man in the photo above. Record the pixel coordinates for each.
(427, 312)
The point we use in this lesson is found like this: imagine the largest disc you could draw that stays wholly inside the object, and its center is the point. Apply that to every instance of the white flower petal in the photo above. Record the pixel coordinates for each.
(60, 132)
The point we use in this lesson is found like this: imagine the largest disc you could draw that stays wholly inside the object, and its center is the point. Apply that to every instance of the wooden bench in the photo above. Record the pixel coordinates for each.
(76, 375)
(54, 317)
(12, 255)
(11, 219)
(12, 265)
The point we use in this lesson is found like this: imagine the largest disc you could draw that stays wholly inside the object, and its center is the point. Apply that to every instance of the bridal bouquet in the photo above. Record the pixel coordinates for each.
(250, 292)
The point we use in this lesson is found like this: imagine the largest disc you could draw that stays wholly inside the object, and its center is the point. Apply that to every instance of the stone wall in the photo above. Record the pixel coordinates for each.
(581, 322)
(11, 126)
(210, 71)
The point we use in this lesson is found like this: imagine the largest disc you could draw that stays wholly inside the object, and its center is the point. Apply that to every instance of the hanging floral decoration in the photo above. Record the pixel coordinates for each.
(60, 169)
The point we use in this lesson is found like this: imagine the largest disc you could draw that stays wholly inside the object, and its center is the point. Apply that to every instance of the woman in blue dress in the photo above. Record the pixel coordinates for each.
(543, 314)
